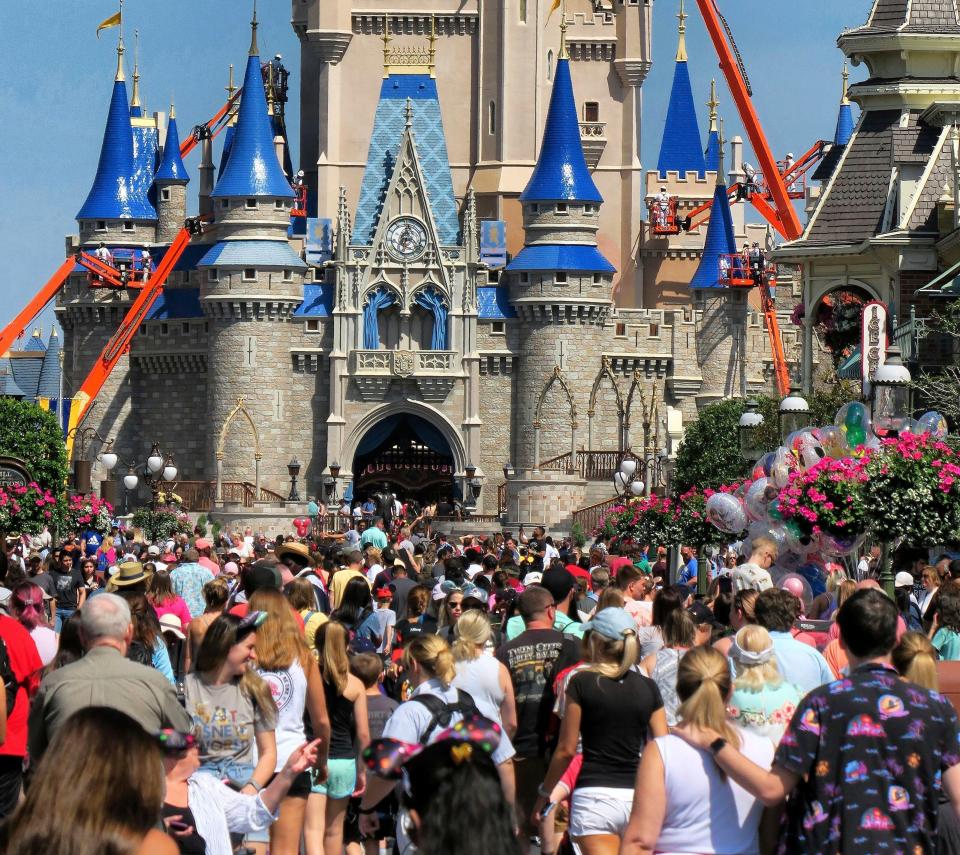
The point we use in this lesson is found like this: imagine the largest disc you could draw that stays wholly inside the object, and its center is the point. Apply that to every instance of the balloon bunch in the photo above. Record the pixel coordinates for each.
(755, 506)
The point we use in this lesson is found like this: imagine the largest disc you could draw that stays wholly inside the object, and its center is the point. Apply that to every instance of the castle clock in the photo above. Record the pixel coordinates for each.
(406, 238)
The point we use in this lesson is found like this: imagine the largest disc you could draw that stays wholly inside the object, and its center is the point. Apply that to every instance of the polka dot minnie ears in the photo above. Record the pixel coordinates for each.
(387, 757)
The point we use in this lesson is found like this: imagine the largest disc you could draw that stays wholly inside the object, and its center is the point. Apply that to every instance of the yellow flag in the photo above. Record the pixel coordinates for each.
(553, 8)
(112, 21)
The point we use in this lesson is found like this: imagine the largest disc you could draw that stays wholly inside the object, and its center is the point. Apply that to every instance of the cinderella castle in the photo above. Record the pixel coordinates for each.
(477, 300)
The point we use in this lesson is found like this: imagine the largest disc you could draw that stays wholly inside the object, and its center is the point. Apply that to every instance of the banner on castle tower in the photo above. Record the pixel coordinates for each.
(873, 341)
(113, 21)
(493, 243)
(319, 240)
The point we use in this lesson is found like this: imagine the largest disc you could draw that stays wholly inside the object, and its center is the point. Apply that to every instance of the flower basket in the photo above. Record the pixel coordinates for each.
(649, 520)
(913, 491)
(26, 510)
(828, 497)
(160, 524)
(88, 512)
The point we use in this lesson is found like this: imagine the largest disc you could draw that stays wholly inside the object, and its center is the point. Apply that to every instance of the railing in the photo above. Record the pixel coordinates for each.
(404, 363)
(502, 498)
(591, 465)
(595, 130)
(589, 518)
(201, 495)
(560, 463)
(196, 495)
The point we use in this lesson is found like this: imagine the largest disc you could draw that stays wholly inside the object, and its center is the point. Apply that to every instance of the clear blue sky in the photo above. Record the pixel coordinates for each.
(55, 94)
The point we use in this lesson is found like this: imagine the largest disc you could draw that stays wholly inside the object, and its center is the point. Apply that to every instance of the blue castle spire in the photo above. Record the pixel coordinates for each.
(171, 166)
(115, 194)
(680, 147)
(845, 117)
(711, 156)
(253, 168)
(720, 239)
(561, 172)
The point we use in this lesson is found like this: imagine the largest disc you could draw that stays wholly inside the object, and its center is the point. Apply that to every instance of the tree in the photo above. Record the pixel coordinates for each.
(34, 436)
(709, 454)
(938, 389)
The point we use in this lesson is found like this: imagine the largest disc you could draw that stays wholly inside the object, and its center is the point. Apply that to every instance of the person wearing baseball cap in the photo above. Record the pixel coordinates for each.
(204, 548)
(561, 583)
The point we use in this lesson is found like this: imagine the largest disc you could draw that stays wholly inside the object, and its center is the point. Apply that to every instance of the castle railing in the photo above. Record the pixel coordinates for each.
(404, 363)
(590, 517)
(592, 465)
(201, 495)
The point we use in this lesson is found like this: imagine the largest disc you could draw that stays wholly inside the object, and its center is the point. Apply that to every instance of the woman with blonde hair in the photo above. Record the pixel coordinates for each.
(683, 802)
(346, 705)
(286, 665)
(915, 659)
(433, 705)
(612, 710)
(762, 701)
(484, 677)
(93, 793)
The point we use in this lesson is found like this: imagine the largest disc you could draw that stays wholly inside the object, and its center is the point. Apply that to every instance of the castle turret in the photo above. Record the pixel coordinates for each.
(251, 282)
(560, 282)
(171, 185)
(681, 149)
(845, 116)
(117, 209)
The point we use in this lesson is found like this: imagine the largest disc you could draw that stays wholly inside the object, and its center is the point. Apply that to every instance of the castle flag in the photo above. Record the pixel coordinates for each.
(553, 8)
(113, 21)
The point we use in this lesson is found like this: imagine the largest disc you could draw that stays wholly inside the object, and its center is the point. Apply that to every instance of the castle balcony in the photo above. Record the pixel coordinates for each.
(593, 138)
(434, 371)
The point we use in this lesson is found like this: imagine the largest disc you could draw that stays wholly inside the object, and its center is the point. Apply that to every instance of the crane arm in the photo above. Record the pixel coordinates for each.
(119, 343)
(783, 217)
(780, 369)
(211, 127)
(16, 328)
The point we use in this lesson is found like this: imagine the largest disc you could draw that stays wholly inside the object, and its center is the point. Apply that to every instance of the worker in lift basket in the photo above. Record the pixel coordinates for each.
(144, 265)
(662, 209)
(757, 263)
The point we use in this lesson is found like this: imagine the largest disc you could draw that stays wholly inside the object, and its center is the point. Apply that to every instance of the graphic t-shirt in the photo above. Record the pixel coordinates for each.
(226, 721)
(615, 715)
(379, 709)
(533, 659)
(67, 585)
(870, 751)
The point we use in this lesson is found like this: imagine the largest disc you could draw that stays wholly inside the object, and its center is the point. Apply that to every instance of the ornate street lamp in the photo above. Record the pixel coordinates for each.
(794, 413)
(293, 469)
(749, 430)
(627, 480)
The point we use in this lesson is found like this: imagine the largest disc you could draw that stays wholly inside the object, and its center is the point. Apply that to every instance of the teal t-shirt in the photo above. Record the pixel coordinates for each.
(947, 643)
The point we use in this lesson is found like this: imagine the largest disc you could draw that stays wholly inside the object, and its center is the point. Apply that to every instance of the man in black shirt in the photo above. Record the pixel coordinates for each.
(865, 757)
(70, 588)
(533, 659)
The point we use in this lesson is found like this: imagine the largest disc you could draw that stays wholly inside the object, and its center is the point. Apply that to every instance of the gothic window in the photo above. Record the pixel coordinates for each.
(492, 118)
(591, 111)
(549, 65)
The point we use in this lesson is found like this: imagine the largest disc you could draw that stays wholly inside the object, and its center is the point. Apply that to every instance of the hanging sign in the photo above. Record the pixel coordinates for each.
(873, 341)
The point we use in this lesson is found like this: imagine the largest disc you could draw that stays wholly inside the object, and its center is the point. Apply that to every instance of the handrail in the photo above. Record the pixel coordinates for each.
(560, 463)
(590, 516)
(200, 495)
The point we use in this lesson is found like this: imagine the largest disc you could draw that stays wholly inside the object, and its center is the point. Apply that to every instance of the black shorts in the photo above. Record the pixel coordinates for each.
(11, 776)
(300, 788)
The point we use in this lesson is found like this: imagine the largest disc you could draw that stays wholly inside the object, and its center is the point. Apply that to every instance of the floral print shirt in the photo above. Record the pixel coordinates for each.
(766, 711)
(870, 750)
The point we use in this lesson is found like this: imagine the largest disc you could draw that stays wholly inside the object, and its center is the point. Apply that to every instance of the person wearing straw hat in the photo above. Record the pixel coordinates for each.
(130, 576)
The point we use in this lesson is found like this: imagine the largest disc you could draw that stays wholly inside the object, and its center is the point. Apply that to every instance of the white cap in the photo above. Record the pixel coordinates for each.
(532, 578)
(903, 579)
(171, 623)
(153, 549)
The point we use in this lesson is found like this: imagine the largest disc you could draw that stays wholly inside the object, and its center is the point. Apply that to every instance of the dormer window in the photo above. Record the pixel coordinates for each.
(251, 203)
(249, 274)
(560, 278)
(127, 226)
(561, 207)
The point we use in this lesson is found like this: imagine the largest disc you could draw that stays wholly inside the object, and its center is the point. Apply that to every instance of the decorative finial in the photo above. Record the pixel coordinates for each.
(433, 45)
(386, 45)
(845, 74)
(682, 30)
(120, 74)
(173, 109)
(254, 50)
(713, 103)
(270, 110)
(135, 99)
(564, 54)
(721, 142)
(409, 112)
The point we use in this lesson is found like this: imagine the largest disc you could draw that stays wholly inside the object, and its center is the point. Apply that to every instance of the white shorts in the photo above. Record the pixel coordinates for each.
(600, 810)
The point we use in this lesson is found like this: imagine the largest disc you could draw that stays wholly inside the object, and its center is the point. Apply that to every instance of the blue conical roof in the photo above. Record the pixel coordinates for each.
(228, 136)
(114, 195)
(711, 157)
(561, 172)
(720, 241)
(680, 148)
(252, 168)
(844, 124)
(49, 385)
(35, 343)
(171, 166)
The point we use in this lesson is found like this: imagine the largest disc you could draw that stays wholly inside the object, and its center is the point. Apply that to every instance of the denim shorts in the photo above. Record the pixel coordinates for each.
(341, 779)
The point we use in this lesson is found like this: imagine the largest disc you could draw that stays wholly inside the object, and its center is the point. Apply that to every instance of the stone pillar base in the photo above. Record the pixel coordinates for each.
(543, 498)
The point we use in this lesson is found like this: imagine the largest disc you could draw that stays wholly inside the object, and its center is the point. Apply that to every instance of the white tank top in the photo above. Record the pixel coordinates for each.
(480, 678)
(289, 690)
(705, 812)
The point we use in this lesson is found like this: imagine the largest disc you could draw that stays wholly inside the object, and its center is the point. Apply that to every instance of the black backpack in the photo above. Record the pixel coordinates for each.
(11, 684)
(442, 712)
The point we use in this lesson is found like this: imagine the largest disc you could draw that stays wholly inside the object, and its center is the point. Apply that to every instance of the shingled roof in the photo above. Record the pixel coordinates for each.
(915, 16)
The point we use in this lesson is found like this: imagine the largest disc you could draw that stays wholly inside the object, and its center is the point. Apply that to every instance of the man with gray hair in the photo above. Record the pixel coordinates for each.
(104, 677)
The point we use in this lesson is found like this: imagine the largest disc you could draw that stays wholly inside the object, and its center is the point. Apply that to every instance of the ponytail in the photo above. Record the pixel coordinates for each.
(472, 631)
(914, 657)
(703, 686)
(612, 658)
(433, 655)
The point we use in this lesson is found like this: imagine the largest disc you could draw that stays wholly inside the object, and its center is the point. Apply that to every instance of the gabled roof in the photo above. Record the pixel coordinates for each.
(574, 258)
(251, 253)
(681, 147)
(389, 123)
(48, 385)
(561, 172)
(911, 16)
(317, 301)
(8, 385)
(719, 241)
(252, 167)
(171, 168)
(115, 194)
(25, 369)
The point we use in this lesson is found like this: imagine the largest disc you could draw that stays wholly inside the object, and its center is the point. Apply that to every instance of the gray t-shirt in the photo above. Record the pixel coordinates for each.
(226, 721)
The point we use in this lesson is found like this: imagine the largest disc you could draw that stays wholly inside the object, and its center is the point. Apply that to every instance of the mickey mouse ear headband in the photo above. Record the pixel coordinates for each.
(388, 757)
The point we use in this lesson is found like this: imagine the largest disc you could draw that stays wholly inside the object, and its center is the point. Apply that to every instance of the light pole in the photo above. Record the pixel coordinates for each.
(293, 470)
(749, 431)
(628, 479)
(890, 399)
(82, 467)
(158, 470)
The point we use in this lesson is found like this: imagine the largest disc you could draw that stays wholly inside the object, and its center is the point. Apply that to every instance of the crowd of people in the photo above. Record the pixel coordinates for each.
(394, 689)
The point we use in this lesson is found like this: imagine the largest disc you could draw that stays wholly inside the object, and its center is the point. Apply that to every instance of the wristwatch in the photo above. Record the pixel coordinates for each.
(717, 745)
